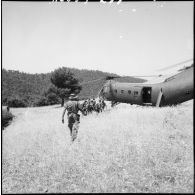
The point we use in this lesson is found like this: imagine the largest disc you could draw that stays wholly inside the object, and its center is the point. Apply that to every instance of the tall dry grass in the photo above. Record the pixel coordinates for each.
(125, 149)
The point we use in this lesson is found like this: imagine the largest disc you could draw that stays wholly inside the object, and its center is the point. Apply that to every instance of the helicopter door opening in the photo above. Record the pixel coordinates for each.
(146, 94)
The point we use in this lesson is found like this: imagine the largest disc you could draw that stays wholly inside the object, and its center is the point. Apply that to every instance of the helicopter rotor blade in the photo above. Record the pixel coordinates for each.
(174, 65)
(148, 75)
(83, 83)
(102, 78)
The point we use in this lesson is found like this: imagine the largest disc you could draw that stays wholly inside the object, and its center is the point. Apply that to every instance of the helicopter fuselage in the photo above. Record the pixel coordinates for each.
(174, 90)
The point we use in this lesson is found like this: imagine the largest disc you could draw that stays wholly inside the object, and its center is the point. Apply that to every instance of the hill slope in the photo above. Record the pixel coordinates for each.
(26, 86)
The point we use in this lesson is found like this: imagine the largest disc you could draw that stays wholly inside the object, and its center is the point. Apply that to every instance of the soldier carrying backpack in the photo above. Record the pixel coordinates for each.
(73, 107)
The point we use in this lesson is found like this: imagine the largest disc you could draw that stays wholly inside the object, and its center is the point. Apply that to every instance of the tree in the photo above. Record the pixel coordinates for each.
(65, 82)
(52, 95)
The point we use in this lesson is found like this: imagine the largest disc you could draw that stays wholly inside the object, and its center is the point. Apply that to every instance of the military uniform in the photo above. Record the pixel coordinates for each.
(85, 110)
(72, 107)
(103, 104)
(98, 107)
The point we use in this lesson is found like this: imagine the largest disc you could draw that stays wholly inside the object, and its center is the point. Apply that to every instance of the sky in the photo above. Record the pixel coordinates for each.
(130, 38)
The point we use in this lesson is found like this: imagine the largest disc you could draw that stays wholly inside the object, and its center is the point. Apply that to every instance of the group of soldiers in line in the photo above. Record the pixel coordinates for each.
(92, 105)
(73, 106)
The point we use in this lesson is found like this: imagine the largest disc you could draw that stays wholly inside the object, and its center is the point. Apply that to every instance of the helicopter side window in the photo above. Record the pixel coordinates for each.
(122, 91)
(135, 92)
(187, 92)
(129, 92)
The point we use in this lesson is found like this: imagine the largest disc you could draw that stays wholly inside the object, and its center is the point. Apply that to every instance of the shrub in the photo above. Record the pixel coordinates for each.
(6, 118)
(42, 101)
(4, 101)
(52, 99)
(16, 102)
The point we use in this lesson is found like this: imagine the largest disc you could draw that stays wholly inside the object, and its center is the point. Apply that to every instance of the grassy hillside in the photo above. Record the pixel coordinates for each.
(29, 88)
(23, 86)
(125, 149)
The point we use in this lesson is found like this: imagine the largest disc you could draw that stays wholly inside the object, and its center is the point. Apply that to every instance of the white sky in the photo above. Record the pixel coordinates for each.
(132, 38)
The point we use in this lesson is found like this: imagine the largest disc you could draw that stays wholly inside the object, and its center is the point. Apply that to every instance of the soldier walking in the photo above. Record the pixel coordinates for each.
(72, 107)
(103, 104)
(85, 110)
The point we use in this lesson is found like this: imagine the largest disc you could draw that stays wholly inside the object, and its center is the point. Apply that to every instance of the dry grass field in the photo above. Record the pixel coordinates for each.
(125, 149)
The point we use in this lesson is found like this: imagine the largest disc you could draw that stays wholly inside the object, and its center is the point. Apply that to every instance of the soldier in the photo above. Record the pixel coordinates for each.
(85, 103)
(103, 104)
(8, 108)
(98, 107)
(90, 106)
(72, 107)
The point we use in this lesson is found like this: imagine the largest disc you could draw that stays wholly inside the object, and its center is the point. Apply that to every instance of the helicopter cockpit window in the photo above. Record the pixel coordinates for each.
(129, 92)
(187, 92)
(122, 91)
(135, 92)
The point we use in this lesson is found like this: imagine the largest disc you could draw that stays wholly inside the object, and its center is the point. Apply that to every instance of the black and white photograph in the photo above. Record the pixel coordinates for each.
(97, 97)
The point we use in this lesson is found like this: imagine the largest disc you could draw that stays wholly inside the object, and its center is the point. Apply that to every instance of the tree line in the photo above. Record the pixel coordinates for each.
(21, 89)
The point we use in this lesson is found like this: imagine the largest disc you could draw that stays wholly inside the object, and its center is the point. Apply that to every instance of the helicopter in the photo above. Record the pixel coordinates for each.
(173, 90)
